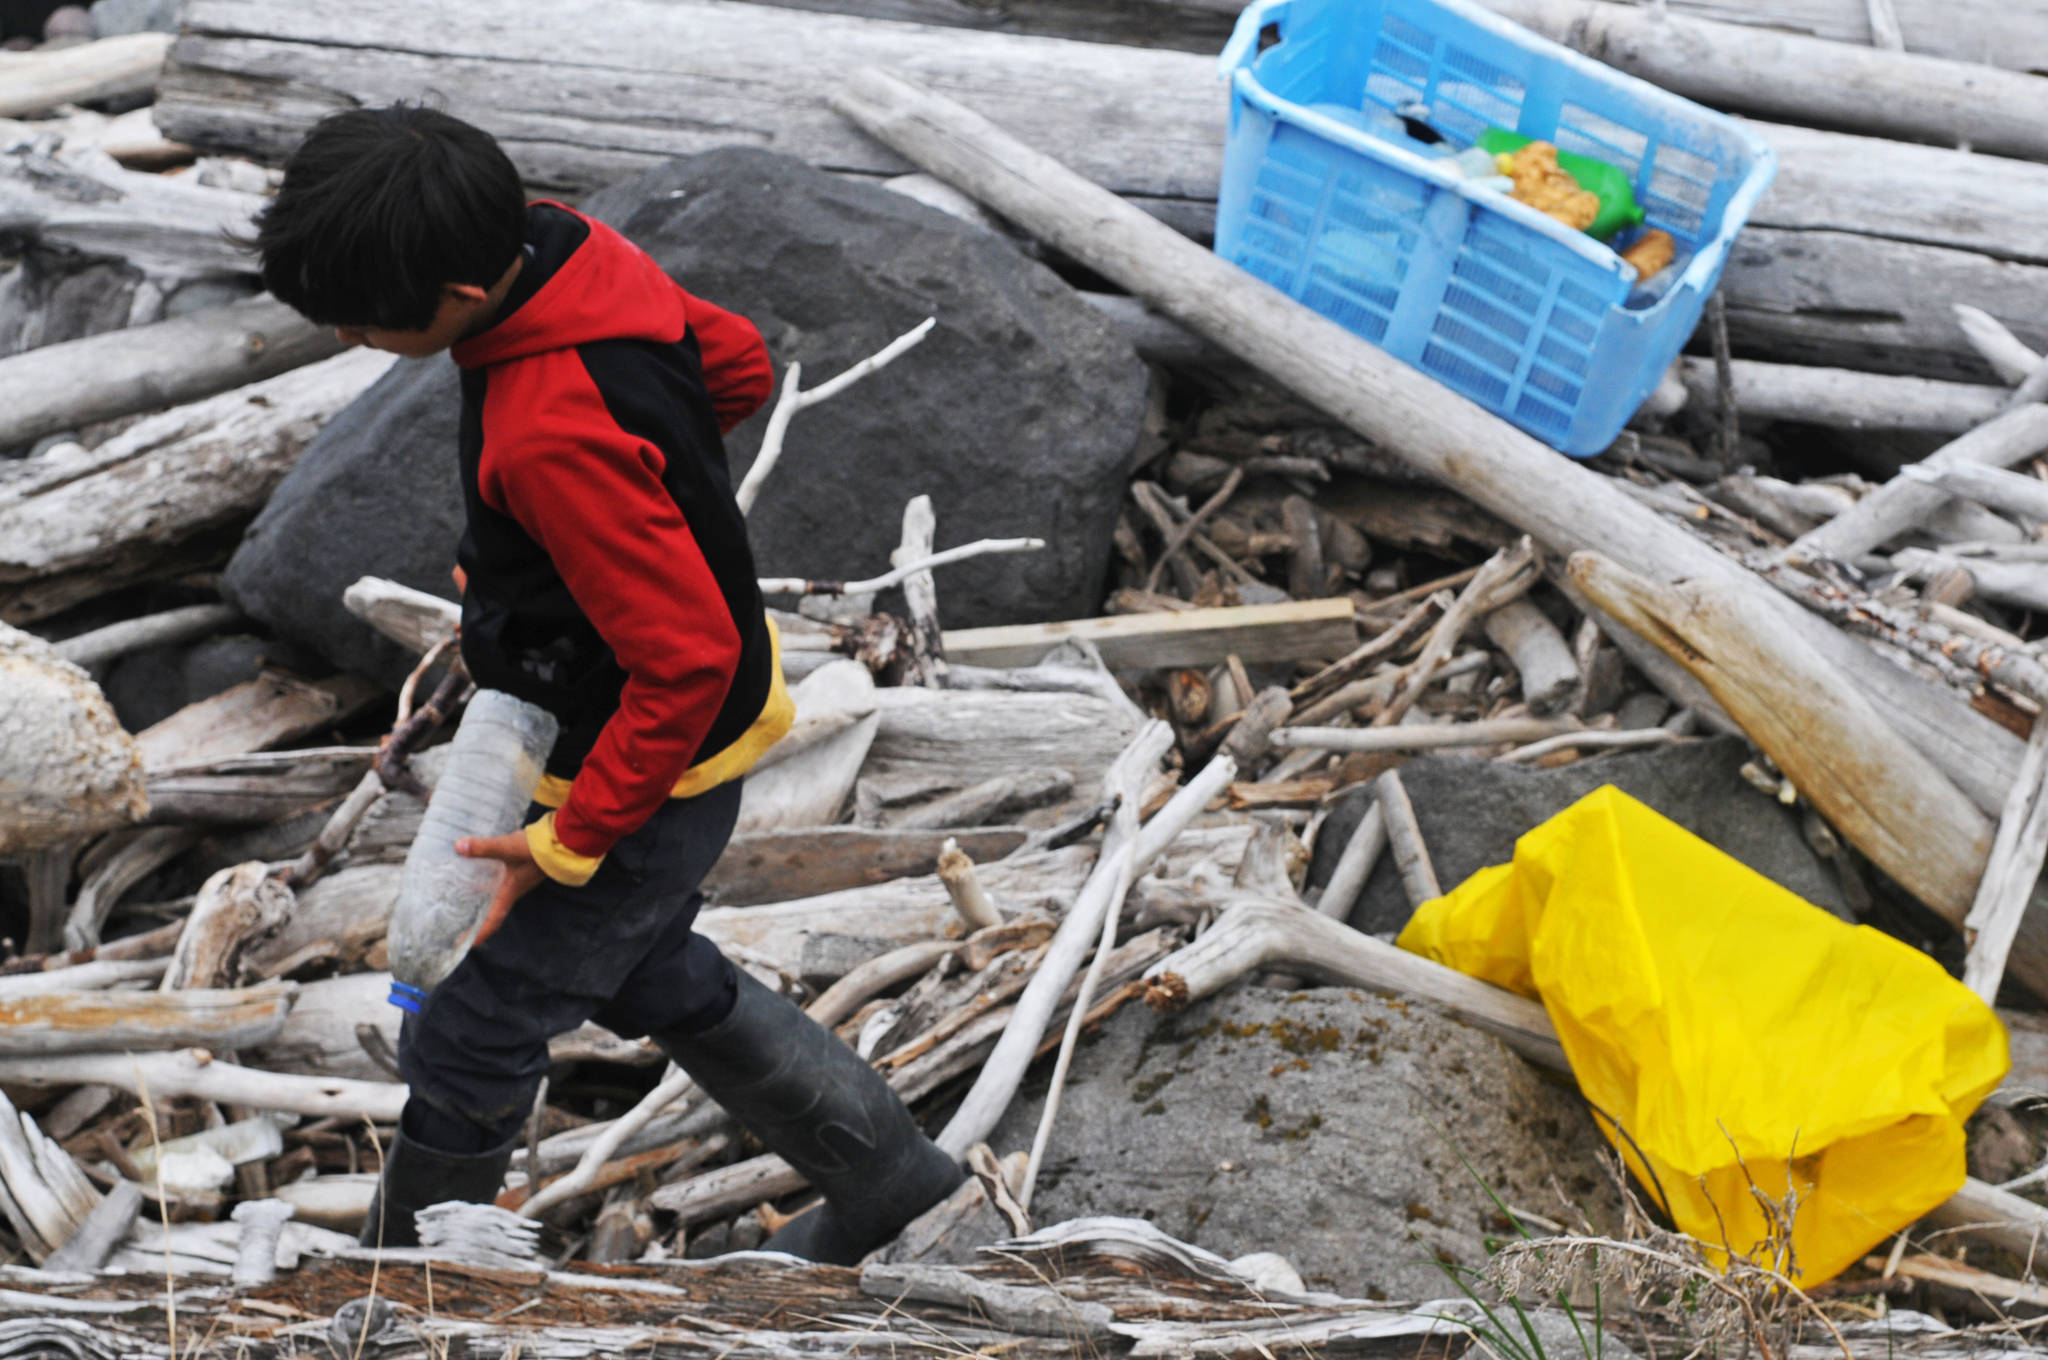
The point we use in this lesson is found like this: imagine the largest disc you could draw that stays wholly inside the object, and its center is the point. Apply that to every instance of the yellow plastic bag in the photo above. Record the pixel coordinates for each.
(1725, 1023)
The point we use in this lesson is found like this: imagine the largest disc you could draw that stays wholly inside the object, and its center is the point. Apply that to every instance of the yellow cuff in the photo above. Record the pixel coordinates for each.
(557, 860)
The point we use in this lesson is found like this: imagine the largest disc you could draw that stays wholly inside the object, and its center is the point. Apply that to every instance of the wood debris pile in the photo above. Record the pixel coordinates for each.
(976, 841)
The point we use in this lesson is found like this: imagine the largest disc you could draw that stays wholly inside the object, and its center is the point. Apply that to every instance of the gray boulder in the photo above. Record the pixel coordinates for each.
(375, 494)
(1347, 1132)
(1472, 811)
(1018, 415)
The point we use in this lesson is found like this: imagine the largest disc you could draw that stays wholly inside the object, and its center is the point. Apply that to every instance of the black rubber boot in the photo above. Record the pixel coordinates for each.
(417, 1177)
(823, 1110)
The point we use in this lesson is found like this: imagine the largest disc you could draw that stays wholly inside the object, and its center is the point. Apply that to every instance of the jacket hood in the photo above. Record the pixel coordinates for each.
(581, 282)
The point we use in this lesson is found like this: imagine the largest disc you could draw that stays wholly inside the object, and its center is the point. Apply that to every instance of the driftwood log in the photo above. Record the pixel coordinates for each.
(1811, 80)
(70, 770)
(1839, 268)
(1836, 747)
(1844, 398)
(107, 69)
(142, 368)
(74, 528)
(171, 228)
(1563, 505)
(101, 1022)
(196, 1073)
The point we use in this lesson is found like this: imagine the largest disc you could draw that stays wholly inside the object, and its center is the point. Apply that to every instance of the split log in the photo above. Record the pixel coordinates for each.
(1807, 80)
(143, 368)
(1564, 505)
(1550, 674)
(72, 529)
(71, 770)
(111, 68)
(1864, 290)
(103, 1230)
(1304, 630)
(260, 713)
(1835, 747)
(2011, 873)
(43, 1195)
(776, 866)
(102, 645)
(196, 1074)
(256, 789)
(237, 909)
(925, 651)
(1903, 502)
(113, 1022)
(1844, 398)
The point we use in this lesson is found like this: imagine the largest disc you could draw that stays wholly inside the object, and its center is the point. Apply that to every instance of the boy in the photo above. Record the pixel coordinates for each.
(606, 577)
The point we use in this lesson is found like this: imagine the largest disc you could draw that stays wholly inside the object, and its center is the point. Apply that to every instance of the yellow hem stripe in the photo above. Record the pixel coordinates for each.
(777, 715)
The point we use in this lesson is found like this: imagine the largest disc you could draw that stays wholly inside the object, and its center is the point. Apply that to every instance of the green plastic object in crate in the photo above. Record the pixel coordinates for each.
(1537, 323)
(1608, 183)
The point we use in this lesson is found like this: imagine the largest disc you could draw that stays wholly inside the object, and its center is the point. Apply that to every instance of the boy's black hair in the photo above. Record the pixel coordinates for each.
(380, 208)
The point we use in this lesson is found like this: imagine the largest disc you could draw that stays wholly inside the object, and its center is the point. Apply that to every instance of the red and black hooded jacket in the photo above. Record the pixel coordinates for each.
(609, 578)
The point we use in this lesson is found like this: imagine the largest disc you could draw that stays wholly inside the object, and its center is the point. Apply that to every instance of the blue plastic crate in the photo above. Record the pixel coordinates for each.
(1528, 318)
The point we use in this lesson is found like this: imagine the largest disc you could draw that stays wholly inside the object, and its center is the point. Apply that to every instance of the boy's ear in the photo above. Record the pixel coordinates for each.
(465, 292)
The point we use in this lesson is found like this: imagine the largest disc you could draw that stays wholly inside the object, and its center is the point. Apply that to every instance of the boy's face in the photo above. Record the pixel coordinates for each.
(464, 310)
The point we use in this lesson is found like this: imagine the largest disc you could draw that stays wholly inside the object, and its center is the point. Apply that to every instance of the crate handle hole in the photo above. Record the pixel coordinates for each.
(1269, 36)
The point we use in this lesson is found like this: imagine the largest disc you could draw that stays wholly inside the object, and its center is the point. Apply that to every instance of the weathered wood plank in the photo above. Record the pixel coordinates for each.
(1300, 630)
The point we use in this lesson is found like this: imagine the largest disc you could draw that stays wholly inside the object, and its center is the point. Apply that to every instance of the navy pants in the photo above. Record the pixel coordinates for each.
(618, 950)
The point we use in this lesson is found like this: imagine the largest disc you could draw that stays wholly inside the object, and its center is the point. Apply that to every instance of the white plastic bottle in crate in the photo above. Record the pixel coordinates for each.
(496, 759)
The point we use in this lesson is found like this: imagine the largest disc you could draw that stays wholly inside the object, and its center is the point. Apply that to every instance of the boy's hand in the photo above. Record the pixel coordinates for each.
(522, 875)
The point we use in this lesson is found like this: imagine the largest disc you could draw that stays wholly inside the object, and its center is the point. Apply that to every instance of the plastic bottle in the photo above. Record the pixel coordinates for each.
(494, 763)
(1609, 183)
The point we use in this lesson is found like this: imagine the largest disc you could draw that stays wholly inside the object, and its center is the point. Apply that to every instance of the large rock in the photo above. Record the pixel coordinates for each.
(1018, 415)
(1347, 1132)
(375, 494)
(1472, 811)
